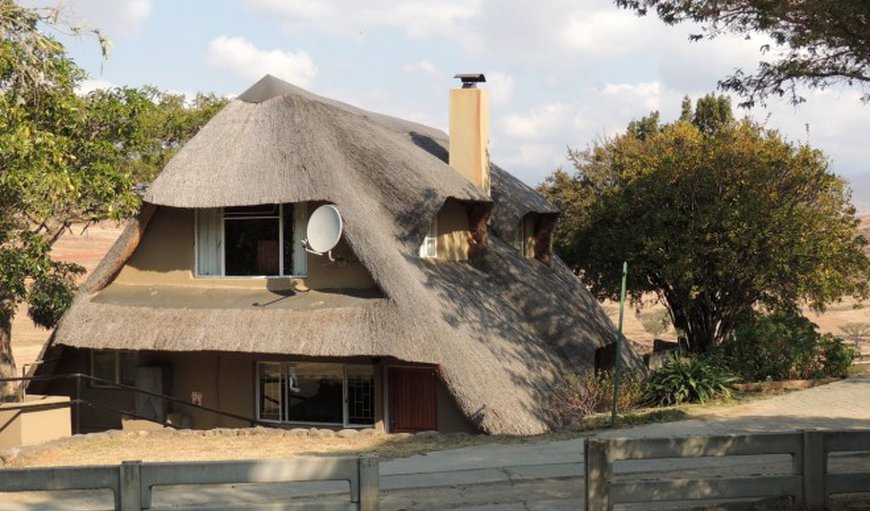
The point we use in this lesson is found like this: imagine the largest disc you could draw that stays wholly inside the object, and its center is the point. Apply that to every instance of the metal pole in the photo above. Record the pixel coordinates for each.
(78, 405)
(617, 365)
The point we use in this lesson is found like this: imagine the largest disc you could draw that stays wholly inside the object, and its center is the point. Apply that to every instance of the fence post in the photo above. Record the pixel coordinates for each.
(130, 486)
(814, 470)
(599, 472)
(369, 483)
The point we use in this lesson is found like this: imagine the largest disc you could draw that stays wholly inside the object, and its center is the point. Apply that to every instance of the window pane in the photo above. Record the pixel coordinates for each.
(315, 393)
(127, 361)
(208, 237)
(300, 256)
(103, 366)
(271, 387)
(360, 395)
(251, 246)
(289, 239)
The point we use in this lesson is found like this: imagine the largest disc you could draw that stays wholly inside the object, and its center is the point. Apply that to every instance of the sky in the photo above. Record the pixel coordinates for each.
(560, 73)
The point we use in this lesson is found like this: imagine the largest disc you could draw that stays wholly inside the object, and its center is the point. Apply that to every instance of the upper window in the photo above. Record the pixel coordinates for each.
(524, 239)
(429, 247)
(261, 240)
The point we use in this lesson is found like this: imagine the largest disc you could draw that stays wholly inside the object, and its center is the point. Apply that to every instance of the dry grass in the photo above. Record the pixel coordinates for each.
(191, 445)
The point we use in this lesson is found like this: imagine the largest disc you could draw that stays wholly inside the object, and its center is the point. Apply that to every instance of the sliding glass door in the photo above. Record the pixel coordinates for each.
(315, 393)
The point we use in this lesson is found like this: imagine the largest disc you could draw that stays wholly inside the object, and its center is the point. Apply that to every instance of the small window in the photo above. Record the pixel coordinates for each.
(524, 240)
(429, 247)
(264, 240)
(113, 366)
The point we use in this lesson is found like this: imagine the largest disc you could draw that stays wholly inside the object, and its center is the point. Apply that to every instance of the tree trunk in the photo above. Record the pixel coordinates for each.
(7, 361)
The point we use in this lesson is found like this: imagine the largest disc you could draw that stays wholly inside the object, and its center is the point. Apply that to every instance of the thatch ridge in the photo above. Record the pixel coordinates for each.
(501, 330)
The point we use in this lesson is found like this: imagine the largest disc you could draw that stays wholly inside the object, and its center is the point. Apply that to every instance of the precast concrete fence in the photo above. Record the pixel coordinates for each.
(809, 483)
(132, 481)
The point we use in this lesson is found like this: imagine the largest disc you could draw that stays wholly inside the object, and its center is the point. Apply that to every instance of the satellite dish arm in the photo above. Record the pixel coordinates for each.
(308, 249)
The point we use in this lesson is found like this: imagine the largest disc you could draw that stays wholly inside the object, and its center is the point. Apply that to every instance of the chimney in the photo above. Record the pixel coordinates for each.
(469, 130)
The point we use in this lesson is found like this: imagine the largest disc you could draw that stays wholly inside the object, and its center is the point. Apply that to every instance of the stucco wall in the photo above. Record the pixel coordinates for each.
(453, 232)
(165, 256)
(225, 381)
(31, 426)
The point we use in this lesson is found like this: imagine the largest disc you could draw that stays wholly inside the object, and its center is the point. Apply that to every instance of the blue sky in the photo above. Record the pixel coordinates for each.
(561, 72)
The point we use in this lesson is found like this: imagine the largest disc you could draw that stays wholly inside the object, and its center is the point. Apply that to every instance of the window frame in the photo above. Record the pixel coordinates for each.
(116, 363)
(429, 247)
(344, 399)
(300, 212)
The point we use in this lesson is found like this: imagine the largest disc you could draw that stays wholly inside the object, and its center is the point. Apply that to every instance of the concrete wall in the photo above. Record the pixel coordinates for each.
(31, 426)
(166, 256)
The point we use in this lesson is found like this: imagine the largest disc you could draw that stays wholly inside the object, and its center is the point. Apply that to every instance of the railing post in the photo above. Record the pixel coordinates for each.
(78, 404)
(814, 470)
(599, 472)
(130, 484)
(368, 483)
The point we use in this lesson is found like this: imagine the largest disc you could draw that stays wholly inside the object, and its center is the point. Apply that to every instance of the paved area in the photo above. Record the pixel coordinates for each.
(538, 475)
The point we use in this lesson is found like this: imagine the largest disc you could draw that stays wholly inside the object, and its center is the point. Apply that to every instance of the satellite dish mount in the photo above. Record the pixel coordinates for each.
(324, 231)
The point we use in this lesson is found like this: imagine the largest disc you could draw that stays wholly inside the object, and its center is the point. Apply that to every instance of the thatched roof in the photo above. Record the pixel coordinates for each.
(501, 329)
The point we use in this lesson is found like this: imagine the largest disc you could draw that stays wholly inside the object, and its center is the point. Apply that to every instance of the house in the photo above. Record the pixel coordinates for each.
(441, 308)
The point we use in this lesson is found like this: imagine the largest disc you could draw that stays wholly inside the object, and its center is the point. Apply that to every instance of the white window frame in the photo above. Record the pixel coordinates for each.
(300, 213)
(117, 370)
(429, 247)
(344, 399)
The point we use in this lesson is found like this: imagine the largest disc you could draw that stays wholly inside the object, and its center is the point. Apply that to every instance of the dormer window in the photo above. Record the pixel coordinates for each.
(533, 236)
(429, 247)
(263, 240)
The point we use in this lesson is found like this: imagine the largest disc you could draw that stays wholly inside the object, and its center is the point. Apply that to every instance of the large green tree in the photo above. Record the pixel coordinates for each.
(67, 159)
(715, 217)
(816, 43)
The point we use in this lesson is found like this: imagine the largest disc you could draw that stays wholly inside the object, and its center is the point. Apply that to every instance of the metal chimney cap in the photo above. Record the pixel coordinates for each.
(469, 80)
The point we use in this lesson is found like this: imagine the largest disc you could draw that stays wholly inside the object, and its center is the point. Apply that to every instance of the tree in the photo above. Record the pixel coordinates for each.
(67, 159)
(817, 43)
(716, 217)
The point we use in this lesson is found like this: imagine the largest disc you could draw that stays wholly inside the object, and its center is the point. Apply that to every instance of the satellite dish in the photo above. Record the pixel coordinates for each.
(324, 229)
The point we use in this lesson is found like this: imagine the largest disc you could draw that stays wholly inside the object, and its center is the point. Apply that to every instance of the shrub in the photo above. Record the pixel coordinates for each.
(579, 395)
(785, 345)
(656, 322)
(687, 380)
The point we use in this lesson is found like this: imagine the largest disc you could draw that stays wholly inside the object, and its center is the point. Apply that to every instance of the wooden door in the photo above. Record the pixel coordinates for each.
(413, 401)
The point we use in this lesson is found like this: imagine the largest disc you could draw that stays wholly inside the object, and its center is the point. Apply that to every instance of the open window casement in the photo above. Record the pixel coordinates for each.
(264, 240)
(429, 247)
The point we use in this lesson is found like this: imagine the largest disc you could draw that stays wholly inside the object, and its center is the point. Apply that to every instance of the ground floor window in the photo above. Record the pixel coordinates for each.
(113, 365)
(315, 393)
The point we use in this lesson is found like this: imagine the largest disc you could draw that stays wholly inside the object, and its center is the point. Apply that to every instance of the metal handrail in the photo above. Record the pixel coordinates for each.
(78, 401)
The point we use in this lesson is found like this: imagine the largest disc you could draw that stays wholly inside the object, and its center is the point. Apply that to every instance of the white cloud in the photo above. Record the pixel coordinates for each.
(424, 67)
(500, 86)
(415, 18)
(115, 18)
(242, 58)
(86, 86)
(540, 122)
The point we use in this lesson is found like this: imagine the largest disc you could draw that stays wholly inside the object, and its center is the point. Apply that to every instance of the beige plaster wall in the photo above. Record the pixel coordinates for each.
(30, 426)
(166, 257)
(453, 232)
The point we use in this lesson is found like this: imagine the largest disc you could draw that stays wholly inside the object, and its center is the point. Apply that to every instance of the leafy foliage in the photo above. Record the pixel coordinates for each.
(655, 323)
(783, 346)
(687, 380)
(817, 43)
(67, 159)
(715, 216)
